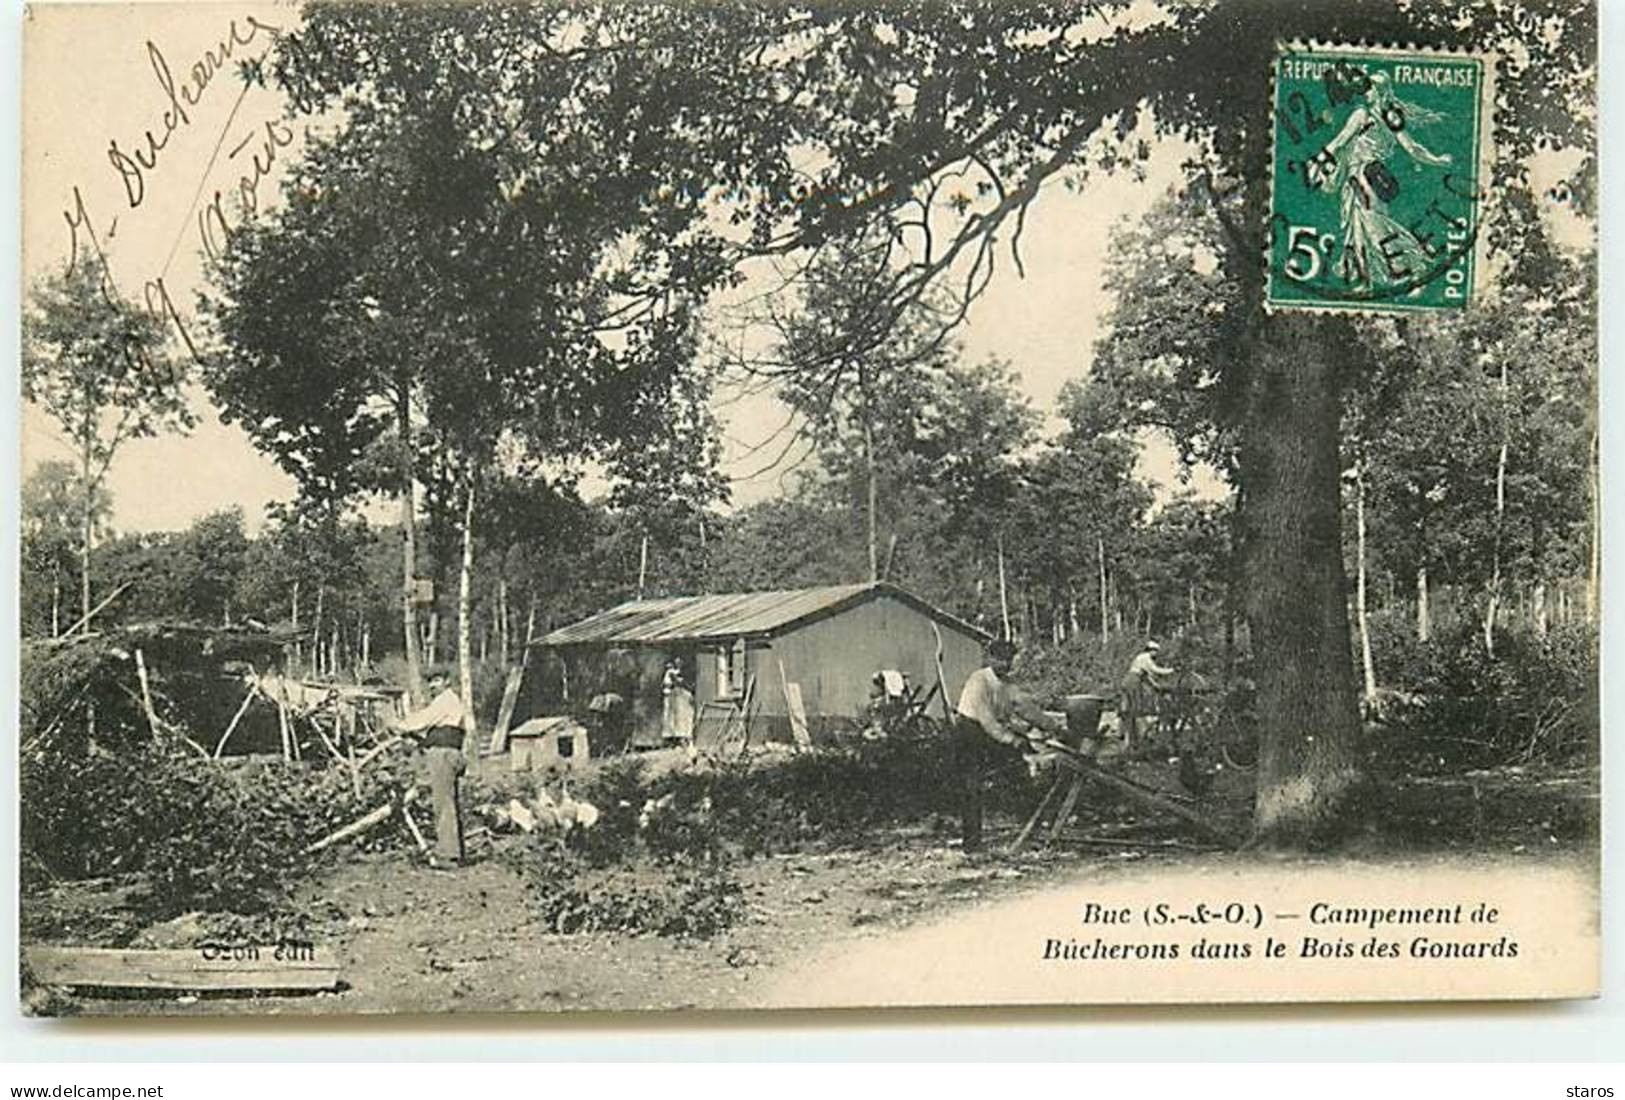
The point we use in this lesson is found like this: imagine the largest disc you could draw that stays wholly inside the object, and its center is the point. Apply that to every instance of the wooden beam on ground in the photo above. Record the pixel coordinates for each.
(354, 828)
(304, 969)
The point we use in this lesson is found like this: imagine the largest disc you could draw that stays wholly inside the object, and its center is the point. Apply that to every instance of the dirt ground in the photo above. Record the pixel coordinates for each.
(415, 940)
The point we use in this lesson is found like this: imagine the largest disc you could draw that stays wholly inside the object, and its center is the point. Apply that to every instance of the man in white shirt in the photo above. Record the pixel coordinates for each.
(438, 730)
(989, 707)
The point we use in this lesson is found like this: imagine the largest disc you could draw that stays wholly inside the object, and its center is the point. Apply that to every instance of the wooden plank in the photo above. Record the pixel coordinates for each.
(796, 709)
(1070, 758)
(510, 697)
(798, 716)
(307, 968)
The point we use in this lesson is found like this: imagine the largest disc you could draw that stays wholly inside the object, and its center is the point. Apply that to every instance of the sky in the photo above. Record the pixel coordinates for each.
(79, 131)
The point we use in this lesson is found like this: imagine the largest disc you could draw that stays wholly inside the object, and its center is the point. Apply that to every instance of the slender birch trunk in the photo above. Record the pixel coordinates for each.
(872, 488)
(1424, 614)
(1004, 595)
(1594, 570)
(409, 564)
(1367, 667)
(1492, 607)
(1105, 608)
(465, 604)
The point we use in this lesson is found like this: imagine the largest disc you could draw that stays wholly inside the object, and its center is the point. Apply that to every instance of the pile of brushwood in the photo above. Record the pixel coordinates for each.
(109, 791)
(193, 834)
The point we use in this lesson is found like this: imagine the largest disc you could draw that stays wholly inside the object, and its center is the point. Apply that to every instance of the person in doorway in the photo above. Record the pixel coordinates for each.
(438, 730)
(992, 727)
(1139, 689)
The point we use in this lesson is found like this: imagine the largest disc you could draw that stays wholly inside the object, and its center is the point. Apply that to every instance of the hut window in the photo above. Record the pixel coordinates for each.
(731, 669)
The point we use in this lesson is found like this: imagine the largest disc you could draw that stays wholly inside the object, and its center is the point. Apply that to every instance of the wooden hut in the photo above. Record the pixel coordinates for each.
(821, 645)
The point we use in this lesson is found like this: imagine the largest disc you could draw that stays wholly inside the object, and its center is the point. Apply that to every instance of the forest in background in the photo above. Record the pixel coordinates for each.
(488, 283)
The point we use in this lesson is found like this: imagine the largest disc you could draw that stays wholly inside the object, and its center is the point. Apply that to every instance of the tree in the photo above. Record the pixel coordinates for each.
(808, 125)
(98, 367)
(51, 535)
(455, 294)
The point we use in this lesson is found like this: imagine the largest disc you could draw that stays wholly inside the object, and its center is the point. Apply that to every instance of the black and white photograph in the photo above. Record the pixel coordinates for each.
(574, 507)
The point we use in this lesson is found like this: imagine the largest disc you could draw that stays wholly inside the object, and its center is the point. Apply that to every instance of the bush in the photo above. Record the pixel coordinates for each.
(1535, 700)
(697, 900)
(203, 835)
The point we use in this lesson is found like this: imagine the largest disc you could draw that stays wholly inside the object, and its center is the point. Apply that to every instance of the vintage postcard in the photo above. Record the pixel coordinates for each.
(564, 506)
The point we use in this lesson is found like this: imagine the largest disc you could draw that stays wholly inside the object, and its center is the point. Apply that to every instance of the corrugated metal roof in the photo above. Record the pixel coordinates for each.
(733, 615)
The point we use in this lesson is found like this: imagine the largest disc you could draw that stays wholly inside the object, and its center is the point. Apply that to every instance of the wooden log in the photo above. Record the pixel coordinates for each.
(333, 751)
(411, 824)
(300, 968)
(253, 690)
(162, 725)
(1068, 757)
(354, 828)
(366, 757)
(98, 609)
(146, 693)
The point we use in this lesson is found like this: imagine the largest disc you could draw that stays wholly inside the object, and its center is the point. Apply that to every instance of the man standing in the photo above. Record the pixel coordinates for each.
(982, 734)
(1140, 684)
(438, 730)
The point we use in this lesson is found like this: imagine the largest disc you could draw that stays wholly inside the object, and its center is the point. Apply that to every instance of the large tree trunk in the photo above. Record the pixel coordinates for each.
(1296, 603)
(465, 608)
(409, 549)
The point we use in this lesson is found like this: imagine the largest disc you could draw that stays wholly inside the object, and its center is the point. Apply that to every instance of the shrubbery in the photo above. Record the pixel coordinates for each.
(697, 900)
(201, 834)
(1536, 700)
(659, 858)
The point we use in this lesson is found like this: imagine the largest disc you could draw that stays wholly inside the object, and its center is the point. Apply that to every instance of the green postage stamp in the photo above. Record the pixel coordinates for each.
(1376, 178)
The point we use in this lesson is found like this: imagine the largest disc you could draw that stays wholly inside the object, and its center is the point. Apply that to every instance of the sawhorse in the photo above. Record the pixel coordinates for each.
(1077, 768)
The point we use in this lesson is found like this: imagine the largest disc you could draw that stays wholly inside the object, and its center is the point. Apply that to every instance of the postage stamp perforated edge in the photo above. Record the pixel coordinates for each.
(1483, 160)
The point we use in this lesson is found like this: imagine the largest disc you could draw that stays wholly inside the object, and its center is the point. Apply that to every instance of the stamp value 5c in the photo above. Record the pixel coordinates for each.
(1375, 201)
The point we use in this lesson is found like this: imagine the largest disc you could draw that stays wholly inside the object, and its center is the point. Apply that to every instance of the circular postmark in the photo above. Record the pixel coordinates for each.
(1374, 201)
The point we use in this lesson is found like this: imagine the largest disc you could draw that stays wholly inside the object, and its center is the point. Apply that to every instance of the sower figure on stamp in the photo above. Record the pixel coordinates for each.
(438, 730)
(1138, 691)
(983, 737)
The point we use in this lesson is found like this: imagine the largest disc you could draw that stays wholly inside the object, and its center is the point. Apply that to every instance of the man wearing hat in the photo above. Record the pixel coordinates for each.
(1140, 684)
(983, 736)
(438, 730)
